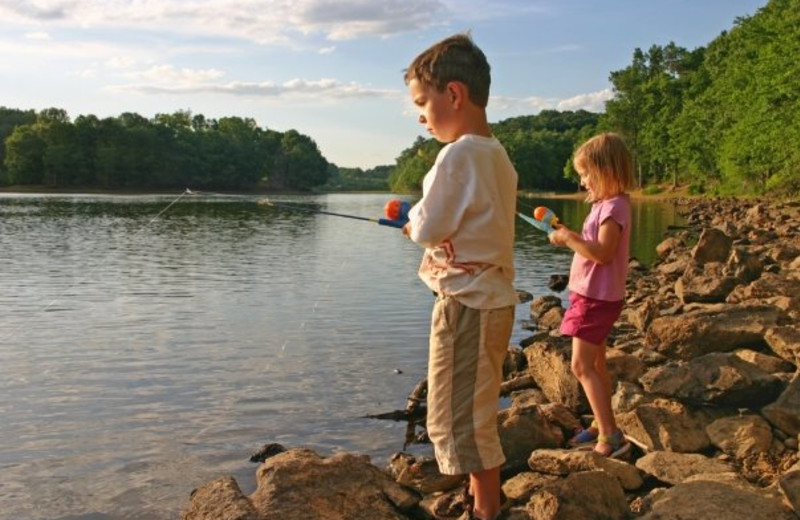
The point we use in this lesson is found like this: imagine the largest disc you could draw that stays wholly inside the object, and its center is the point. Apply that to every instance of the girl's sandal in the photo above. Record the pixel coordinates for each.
(613, 446)
(585, 436)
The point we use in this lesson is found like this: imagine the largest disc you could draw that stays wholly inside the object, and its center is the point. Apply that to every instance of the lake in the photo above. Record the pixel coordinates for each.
(150, 344)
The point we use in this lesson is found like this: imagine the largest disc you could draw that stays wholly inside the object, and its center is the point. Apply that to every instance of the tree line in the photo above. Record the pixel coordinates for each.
(131, 151)
(721, 118)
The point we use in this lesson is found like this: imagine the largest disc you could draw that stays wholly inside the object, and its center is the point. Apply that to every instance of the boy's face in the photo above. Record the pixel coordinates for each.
(436, 110)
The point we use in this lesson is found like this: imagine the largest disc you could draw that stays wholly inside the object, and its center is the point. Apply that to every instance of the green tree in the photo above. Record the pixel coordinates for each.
(24, 156)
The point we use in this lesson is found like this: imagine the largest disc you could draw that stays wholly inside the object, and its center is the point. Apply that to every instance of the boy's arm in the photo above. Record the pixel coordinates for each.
(602, 251)
(437, 216)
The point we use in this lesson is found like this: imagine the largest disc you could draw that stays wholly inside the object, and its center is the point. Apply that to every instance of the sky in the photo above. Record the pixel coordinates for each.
(332, 70)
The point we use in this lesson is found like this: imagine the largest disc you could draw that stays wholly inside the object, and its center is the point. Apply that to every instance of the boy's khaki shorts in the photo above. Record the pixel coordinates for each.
(465, 369)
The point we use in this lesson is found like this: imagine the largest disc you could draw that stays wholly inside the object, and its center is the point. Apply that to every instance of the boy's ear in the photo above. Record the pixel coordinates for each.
(457, 93)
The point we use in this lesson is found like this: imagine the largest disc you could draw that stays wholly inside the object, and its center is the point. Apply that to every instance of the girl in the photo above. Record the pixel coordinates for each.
(597, 280)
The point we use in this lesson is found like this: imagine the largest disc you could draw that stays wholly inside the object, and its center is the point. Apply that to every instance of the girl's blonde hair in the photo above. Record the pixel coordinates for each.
(605, 159)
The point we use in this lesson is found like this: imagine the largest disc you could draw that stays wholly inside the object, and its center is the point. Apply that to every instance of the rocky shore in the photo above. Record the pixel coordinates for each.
(704, 363)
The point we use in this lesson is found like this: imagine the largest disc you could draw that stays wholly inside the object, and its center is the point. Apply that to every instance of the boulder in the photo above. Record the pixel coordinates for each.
(588, 494)
(711, 328)
(783, 413)
(705, 499)
(673, 468)
(523, 430)
(566, 462)
(741, 436)
(713, 246)
(549, 364)
(299, 484)
(718, 378)
(665, 425)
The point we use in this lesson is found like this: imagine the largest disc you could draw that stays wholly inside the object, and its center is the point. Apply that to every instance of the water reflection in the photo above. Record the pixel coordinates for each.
(146, 353)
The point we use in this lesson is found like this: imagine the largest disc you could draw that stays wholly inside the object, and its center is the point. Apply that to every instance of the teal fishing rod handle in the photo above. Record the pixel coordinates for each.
(393, 223)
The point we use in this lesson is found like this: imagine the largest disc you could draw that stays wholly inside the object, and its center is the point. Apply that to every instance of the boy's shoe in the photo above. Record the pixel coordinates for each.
(585, 436)
(619, 445)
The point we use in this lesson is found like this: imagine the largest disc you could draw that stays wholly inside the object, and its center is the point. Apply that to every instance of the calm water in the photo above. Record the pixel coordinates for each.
(148, 348)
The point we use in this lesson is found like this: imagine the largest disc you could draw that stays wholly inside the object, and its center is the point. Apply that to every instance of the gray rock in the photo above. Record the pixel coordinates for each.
(590, 494)
(715, 328)
(717, 378)
(740, 436)
(665, 425)
(673, 468)
(715, 500)
(783, 413)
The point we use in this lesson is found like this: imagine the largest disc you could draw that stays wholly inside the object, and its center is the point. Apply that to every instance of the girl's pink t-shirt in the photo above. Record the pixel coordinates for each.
(604, 281)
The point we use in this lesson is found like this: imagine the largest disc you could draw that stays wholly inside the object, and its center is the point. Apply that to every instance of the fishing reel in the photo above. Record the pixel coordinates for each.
(396, 213)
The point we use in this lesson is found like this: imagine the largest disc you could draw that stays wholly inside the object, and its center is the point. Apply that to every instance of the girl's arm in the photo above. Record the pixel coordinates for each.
(602, 251)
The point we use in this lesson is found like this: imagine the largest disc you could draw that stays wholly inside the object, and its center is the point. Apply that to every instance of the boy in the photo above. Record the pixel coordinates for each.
(465, 221)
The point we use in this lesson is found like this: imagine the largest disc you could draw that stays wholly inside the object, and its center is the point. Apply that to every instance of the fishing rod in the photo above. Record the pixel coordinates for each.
(543, 219)
(395, 211)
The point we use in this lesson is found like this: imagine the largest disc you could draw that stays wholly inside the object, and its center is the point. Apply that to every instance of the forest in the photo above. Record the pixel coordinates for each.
(723, 119)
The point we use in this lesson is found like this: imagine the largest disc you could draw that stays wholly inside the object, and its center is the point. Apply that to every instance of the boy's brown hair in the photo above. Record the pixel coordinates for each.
(455, 58)
(606, 160)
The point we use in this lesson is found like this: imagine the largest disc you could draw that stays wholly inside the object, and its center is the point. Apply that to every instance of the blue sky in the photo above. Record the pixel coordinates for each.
(329, 69)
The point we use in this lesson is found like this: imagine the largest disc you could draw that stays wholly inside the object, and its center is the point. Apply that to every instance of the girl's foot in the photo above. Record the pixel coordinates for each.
(585, 436)
(612, 446)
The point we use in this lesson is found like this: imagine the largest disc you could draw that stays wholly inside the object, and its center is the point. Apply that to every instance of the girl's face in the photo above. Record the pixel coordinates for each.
(587, 181)
(436, 110)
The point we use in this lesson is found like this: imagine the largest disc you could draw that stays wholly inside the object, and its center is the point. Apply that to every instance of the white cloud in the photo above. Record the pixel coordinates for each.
(321, 89)
(518, 106)
(593, 102)
(170, 74)
(121, 62)
(510, 107)
(38, 35)
(262, 21)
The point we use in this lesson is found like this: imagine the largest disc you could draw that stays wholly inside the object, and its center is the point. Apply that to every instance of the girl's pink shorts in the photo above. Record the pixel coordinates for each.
(589, 319)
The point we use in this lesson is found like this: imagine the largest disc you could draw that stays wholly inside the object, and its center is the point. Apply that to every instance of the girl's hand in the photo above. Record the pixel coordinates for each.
(559, 235)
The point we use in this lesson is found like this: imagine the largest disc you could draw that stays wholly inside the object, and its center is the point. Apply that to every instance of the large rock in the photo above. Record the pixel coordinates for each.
(713, 328)
(588, 494)
(705, 284)
(710, 500)
(789, 486)
(785, 342)
(523, 430)
(220, 500)
(299, 485)
(741, 436)
(566, 462)
(766, 288)
(784, 413)
(713, 246)
(665, 425)
(421, 473)
(549, 364)
(673, 468)
(719, 378)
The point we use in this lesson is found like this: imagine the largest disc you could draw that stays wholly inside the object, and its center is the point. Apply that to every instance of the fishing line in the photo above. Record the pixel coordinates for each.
(103, 261)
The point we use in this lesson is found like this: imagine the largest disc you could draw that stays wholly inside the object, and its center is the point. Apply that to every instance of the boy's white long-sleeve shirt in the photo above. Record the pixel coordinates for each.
(465, 221)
